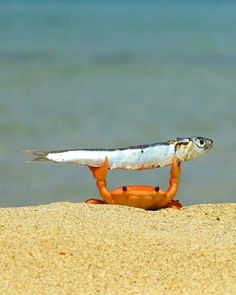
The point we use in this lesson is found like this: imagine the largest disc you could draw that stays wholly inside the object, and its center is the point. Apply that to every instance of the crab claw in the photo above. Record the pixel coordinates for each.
(100, 173)
(175, 171)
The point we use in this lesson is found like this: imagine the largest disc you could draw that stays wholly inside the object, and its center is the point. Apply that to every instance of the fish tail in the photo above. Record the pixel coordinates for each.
(37, 156)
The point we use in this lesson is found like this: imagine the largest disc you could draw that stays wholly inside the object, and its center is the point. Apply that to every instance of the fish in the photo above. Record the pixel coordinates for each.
(139, 157)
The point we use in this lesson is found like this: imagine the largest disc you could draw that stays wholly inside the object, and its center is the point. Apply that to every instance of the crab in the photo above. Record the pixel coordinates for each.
(145, 197)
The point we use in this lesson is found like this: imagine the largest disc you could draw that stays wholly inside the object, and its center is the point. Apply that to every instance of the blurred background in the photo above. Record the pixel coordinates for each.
(87, 74)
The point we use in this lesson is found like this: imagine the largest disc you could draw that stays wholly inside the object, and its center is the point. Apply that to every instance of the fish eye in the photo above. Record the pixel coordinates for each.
(201, 142)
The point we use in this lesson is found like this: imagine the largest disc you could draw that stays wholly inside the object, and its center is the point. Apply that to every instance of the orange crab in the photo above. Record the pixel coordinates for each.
(146, 197)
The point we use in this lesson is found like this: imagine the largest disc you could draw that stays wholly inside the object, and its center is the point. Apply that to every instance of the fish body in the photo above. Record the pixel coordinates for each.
(139, 157)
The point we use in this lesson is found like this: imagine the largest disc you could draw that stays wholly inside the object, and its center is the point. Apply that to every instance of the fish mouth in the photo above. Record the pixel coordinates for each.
(208, 144)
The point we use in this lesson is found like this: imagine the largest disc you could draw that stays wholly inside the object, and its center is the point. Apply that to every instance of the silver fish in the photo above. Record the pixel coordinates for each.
(138, 157)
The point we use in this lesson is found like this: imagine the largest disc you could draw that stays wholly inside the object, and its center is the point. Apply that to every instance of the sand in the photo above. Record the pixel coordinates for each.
(68, 248)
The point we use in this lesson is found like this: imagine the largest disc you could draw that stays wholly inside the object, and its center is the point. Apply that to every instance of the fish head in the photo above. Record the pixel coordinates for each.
(189, 148)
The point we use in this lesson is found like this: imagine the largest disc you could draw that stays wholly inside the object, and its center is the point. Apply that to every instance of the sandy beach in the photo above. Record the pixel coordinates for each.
(69, 248)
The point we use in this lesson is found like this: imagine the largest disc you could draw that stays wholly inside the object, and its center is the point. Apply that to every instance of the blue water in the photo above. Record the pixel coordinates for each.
(113, 74)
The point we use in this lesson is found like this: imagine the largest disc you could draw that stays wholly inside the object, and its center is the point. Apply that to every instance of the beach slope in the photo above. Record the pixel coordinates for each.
(68, 248)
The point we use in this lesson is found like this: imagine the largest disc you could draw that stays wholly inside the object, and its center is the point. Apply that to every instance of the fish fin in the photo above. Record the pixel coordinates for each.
(37, 156)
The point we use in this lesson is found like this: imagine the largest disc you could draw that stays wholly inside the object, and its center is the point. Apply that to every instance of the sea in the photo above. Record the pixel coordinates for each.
(93, 74)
